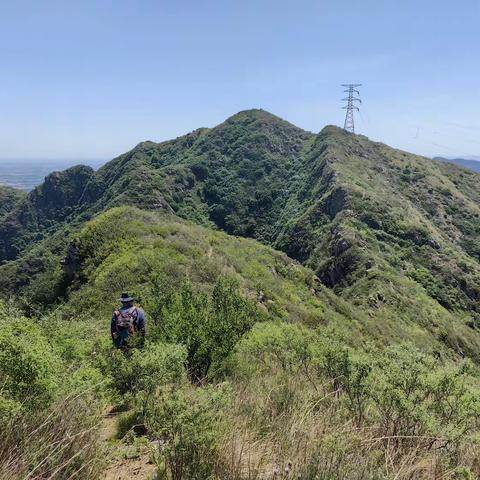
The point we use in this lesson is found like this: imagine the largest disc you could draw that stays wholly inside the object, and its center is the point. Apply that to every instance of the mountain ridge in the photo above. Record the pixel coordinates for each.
(316, 296)
(360, 214)
(461, 162)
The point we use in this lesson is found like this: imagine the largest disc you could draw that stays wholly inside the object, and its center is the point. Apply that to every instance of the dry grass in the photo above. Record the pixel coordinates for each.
(60, 444)
(315, 440)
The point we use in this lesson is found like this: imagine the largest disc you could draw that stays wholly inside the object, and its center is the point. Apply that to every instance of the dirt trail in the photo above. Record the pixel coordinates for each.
(138, 468)
(123, 466)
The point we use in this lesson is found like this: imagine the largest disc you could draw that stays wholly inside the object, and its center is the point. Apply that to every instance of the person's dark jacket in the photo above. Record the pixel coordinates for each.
(120, 335)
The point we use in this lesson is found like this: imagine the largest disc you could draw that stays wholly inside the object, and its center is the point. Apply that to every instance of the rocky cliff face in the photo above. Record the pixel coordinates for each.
(61, 197)
(64, 192)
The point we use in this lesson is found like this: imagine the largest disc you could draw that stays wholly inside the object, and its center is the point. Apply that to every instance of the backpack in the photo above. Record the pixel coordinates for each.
(126, 319)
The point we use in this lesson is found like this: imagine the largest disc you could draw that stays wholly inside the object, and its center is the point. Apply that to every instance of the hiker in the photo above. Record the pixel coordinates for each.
(128, 321)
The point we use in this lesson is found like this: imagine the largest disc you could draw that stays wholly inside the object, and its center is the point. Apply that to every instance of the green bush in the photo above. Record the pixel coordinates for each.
(9, 410)
(414, 397)
(29, 369)
(296, 349)
(208, 325)
(290, 347)
(144, 370)
(188, 423)
(348, 375)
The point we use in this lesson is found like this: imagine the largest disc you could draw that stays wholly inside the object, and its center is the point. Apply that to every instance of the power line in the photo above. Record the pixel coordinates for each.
(464, 127)
(441, 133)
(350, 106)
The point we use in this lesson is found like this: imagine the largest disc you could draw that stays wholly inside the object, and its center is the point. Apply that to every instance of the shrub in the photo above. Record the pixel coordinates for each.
(29, 370)
(208, 325)
(144, 370)
(415, 398)
(291, 347)
(188, 423)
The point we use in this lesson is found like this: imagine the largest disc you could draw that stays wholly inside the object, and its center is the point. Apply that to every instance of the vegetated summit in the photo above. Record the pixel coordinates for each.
(328, 344)
(395, 234)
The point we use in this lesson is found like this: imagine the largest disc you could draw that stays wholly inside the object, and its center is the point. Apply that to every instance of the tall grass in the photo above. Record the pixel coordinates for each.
(314, 440)
(60, 443)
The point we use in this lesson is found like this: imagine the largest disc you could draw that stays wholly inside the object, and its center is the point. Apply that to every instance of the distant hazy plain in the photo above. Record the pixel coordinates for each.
(27, 174)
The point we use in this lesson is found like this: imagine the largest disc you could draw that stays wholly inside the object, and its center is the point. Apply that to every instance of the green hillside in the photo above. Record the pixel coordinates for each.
(312, 304)
(145, 247)
(290, 373)
(9, 198)
(179, 175)
(136, 243)
(387, 230)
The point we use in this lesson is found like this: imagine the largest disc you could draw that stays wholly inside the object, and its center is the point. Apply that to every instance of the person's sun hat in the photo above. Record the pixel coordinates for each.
(125, 298)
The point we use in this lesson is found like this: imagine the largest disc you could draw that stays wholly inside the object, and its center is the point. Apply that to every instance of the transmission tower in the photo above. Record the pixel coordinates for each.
(350, 106)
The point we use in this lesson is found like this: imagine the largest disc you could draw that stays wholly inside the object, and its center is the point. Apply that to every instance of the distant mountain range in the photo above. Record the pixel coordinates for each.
(462, 162)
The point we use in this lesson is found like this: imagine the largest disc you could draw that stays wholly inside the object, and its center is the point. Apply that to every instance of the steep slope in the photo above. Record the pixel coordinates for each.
(293, 377)
(393, 232)
(404, 210)
(126, 248)
(9, 198)
(61, 197)
(236, 176)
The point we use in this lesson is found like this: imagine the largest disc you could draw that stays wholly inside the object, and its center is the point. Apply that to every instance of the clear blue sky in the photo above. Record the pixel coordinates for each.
(90, 79)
